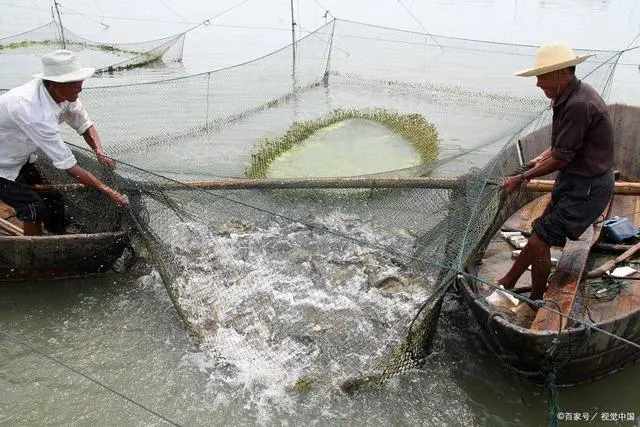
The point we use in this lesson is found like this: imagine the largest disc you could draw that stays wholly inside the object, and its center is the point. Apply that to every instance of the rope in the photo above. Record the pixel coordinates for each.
(419, 23)
(90, 17)
(85, 376)
(554, 343)
(606, 288)
(315, 33)
(172, 11)
(504, 357)
(208, 20)
(553, 401)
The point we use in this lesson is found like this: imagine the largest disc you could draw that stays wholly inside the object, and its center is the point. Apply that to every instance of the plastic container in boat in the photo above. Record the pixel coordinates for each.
(618, 229)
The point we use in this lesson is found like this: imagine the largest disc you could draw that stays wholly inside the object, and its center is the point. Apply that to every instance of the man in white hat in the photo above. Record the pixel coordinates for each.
(581, 150)
(29, 120)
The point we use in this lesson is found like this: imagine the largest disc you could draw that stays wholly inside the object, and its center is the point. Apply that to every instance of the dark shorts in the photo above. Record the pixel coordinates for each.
(28, 204)
(576, 203)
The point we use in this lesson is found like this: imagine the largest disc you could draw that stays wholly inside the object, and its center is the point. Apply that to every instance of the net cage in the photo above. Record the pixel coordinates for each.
(307, 286)
(107, 57)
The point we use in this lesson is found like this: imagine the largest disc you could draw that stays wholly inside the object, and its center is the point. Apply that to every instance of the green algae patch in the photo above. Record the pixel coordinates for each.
(27, 43)
(419, 134)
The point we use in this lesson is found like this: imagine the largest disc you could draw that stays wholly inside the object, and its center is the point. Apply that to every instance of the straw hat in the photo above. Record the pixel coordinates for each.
(62, 66)
(552, 57)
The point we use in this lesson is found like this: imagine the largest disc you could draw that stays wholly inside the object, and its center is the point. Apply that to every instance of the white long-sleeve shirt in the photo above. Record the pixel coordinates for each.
(30, 120)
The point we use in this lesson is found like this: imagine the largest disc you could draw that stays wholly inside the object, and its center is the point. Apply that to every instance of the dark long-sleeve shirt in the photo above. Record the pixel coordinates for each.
(582, 131)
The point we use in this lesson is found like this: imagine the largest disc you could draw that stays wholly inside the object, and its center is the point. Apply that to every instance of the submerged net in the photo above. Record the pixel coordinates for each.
(308, 286)
(117, 56)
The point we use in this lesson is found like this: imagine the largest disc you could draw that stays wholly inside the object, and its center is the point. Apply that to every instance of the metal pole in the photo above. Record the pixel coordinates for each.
(325, 79)
(293, 36)
(64, 43)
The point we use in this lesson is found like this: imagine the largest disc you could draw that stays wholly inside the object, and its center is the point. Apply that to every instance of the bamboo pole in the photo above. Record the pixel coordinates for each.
(621, 187)
(597, 272)
(10, 228)
(285, 183)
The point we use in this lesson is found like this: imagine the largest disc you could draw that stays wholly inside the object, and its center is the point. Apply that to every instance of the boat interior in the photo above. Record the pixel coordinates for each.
(592, 299)
(581, 285)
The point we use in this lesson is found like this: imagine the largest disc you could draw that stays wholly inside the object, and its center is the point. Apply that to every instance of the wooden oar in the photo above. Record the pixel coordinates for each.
(542, 186)
(10, 228)
(597, 272)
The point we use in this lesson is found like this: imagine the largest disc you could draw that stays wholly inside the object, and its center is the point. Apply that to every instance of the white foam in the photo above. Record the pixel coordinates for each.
(258, 309)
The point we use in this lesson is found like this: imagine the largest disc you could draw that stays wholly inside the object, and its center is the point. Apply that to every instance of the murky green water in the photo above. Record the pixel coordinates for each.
(350, 147)
(123, 332)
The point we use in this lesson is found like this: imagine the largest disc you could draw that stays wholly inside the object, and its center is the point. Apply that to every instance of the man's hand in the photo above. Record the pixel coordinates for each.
(85, 177)
(120, 200)
(105, 161)
(512, 183)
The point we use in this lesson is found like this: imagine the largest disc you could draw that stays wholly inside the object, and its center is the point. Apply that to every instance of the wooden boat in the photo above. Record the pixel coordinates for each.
(49, 257)
(549, 343)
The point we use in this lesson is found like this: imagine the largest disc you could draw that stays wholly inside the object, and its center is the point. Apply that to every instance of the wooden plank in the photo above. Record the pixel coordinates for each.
(564, 282)
(10, 228)
(8, 214)
(626, 131)
(566, 278)
(629, 207)
(629, 298)
(521, 220)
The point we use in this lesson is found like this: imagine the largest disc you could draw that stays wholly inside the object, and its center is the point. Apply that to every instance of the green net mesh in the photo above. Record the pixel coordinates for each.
(318, 284)
(108, 57)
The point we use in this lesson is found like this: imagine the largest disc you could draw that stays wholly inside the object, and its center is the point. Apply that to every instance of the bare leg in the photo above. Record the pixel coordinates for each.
(518, 267)
(540, 268)
(537, 254)
(32, 228)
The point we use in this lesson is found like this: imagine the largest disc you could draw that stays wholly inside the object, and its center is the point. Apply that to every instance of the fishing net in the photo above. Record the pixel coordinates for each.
(306, 276)
(23, 47)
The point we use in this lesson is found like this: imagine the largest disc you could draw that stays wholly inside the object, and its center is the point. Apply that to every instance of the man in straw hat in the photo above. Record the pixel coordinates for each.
(581, 151)
(29, 120)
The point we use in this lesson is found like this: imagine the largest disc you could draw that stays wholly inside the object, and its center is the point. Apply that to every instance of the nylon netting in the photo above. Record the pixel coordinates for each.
(117, 56)
(317, 286)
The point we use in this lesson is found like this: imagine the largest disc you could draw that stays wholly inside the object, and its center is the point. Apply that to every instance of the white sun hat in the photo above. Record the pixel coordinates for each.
(62, 66)
(552, 57)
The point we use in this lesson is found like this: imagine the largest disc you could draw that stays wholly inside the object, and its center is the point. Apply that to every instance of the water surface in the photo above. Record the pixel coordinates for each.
(123, 330)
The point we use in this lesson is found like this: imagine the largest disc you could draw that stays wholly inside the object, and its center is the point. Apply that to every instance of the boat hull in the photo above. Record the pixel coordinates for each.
(59, 256)
(577, 354)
